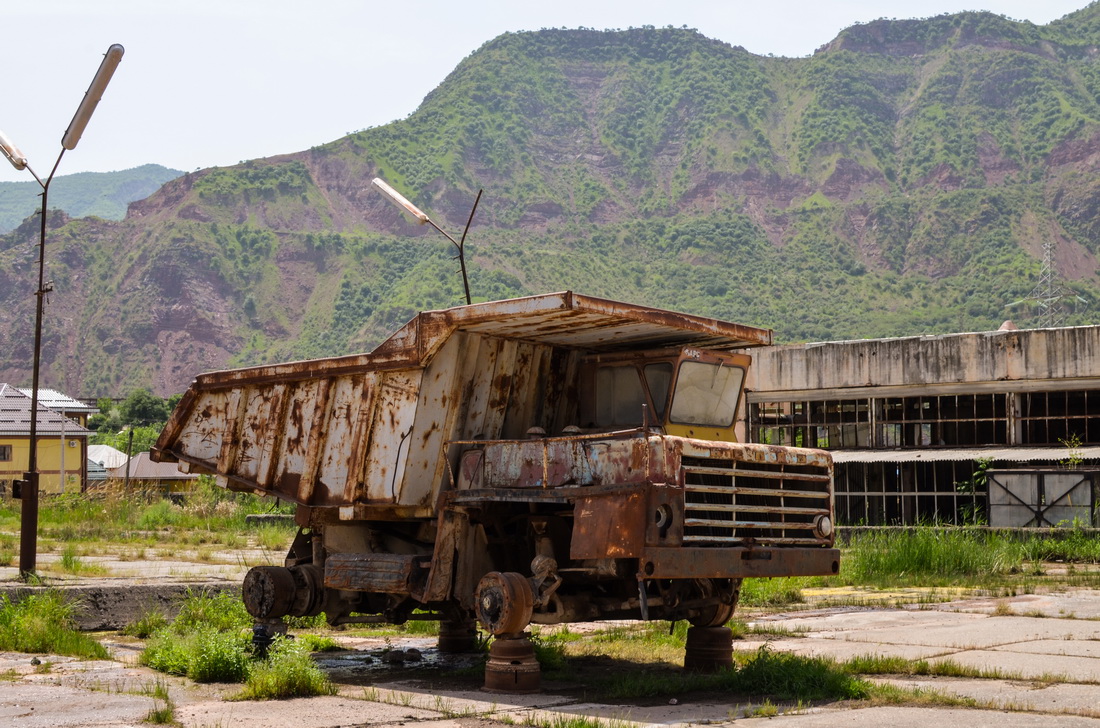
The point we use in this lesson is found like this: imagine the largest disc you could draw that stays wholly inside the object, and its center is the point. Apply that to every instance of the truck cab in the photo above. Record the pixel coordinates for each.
(687, 392)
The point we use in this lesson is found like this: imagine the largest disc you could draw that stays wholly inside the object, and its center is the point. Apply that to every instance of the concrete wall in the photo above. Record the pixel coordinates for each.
(1010, 360)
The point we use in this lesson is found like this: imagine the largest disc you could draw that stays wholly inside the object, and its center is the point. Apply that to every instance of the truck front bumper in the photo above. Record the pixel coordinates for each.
(736, 562)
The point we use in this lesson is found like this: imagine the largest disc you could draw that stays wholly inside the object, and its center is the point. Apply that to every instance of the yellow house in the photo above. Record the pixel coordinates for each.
(62, 442)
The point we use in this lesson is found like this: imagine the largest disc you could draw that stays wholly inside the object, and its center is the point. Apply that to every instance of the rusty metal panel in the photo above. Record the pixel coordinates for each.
(611, 526)
(526, 392)
(259, 427)
(376, 573)
(557, 461)
(478, 387)
(302, 427)
(719, 563)
(560, 395)
(576, 321)
(334, 465)
(437, 412)
(204, 430)
(391, 428)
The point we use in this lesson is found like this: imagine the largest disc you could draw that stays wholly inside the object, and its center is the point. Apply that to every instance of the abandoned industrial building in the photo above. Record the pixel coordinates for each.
(999, 427)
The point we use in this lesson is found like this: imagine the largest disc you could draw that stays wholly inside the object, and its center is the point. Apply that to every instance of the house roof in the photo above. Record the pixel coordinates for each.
(59, 402)
(142, 468)
(96, 471)
(106, 456)
(15, 416)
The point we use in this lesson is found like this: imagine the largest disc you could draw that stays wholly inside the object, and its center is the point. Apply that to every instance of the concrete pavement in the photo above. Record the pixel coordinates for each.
(1043, 650)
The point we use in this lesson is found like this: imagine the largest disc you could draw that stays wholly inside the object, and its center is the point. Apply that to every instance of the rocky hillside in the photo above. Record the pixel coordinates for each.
(901, 180)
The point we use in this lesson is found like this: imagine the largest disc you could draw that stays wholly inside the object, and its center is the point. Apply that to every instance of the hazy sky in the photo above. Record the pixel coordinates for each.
(214, 82)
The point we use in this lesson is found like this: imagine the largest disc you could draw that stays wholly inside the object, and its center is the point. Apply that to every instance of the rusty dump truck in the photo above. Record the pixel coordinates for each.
(547, 459)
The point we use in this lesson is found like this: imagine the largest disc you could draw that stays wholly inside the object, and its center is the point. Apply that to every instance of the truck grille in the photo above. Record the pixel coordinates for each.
(728, 501)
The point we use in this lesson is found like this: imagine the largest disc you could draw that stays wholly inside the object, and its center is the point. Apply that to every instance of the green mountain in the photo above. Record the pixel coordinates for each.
(902, 180)
(103, 194)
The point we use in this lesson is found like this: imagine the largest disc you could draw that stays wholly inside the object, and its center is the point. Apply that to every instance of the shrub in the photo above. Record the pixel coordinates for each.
(160, 514)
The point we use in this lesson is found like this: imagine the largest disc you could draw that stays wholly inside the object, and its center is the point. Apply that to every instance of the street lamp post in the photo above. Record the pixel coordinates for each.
(421, 219)
(28, 487)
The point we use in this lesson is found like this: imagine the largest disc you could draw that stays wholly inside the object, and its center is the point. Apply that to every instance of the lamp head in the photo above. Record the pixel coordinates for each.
(400, 200)
(16, 157)
(92, 96)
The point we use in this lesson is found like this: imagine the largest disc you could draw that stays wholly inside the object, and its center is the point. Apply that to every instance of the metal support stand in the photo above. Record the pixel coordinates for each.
(512, 666)
(458, 636)
(708, 649)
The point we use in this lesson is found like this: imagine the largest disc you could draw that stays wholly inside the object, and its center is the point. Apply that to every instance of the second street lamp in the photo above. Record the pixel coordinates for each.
(28, 487)
(422, 218)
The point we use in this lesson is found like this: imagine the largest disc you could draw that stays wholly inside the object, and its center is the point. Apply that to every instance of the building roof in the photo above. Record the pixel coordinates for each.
(15, 416)
(142, 468)
(106, 456)
(96, 471)
(59, 402)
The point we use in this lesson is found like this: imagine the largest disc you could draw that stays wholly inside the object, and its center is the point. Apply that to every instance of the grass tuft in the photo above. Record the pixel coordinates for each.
(764, 673)
(145, 625)
(43, 623)
(164, 708)
(288, 672)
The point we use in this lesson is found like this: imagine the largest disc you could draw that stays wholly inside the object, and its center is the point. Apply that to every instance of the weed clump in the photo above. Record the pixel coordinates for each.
(930, 556)
(208, 641)
(764, 673)
(145, 625)
(43, 623)
(288, 672)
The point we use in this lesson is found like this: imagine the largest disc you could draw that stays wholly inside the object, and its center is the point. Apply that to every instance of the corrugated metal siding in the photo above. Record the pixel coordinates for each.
(1010, 454)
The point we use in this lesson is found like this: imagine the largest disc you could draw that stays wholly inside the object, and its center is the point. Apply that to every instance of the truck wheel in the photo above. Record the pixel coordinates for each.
(718, 614)
(504, 602)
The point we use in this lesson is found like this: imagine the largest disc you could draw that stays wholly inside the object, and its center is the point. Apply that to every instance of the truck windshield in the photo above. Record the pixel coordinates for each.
(620, 393)
(706, 394)
(619, 396)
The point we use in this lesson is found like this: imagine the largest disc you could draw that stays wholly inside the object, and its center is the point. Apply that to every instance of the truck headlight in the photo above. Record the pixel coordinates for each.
(823, 526)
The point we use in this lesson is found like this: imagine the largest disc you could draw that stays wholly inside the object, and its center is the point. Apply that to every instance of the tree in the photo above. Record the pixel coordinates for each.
(142, 407)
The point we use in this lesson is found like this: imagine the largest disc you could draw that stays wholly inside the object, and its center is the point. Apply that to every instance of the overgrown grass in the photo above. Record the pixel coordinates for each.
(776, 592)
(764, 673)
(930, 556)
(149, 622)
(318, 643)
(288, 672)
(210, 640)
(209, 515)
(893, 665)
(43, 623)
(164, 708)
